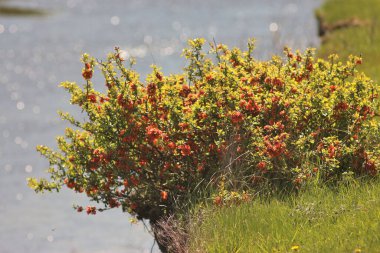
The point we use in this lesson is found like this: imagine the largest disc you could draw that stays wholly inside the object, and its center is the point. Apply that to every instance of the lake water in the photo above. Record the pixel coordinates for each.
(37, 53)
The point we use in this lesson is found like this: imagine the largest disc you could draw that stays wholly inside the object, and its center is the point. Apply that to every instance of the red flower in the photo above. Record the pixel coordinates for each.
(341, 106)
(185, 91)
(236, 117)
(278, 82)
(159, 76)
(151, 89)
(200, 167)
(124, 103)
(133, 87)
(309, 67)
(209, 77)
(242, 104)
(262, 166)
(331, 150)
(113, 203)
(91, 210)
(70, 184)
(91, 98)
(183, 126)
(153, 133)
(202, 115)
(103, 99)
(87, 72)
(252, 107)
(332, 88)
(143, 162)
(267, 80)
(171, 145)
(185, 149)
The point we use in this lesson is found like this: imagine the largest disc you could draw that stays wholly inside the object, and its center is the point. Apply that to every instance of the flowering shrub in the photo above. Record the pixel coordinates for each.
(147, 147)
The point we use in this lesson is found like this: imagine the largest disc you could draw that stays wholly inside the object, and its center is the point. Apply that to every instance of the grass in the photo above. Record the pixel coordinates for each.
(344, 219)
(361, 40)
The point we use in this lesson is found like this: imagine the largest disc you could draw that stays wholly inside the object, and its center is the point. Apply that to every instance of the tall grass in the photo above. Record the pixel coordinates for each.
(320, 219)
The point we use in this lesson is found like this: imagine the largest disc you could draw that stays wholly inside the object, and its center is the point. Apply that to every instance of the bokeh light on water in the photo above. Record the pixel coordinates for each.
(38, 52)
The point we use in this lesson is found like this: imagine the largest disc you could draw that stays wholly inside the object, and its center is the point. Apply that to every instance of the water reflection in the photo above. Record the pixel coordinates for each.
(115, 20)
(39, 52)
(28, 168)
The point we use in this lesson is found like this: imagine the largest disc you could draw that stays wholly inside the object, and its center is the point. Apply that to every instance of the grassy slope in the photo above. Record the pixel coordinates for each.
(320, 220)
(358, 40)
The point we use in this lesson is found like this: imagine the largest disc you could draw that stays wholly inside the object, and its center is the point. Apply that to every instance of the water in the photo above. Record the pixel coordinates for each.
(39, 52)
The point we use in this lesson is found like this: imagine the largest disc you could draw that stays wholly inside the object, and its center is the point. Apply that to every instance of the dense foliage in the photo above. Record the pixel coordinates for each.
(149, 147)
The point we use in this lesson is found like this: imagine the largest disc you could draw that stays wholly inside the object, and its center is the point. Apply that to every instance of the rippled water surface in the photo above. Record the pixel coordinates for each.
(36, 53)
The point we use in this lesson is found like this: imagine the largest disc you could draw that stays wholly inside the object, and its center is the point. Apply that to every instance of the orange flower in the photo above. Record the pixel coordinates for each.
(209, 77)
(218, 200)
(164, 195)
(202, 115)
(236, 117)
(171, 145)
(183, 126)
(262, 166)
(153, 133)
